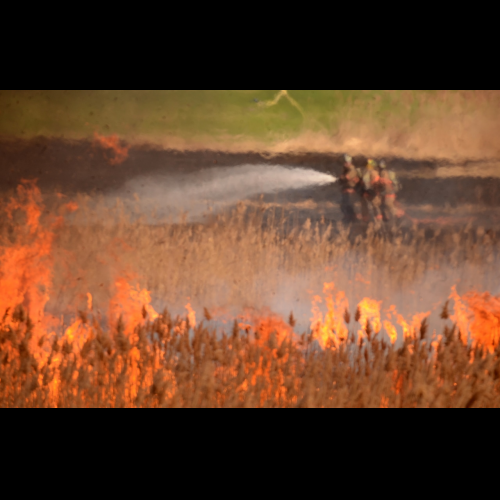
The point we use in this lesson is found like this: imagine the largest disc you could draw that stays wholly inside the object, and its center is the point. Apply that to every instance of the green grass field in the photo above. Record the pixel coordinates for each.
(229, 115)
(192, 113)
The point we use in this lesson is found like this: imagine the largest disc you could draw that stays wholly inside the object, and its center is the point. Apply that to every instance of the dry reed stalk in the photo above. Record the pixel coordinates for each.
(166, 362)
(159, 367)
(233, 256)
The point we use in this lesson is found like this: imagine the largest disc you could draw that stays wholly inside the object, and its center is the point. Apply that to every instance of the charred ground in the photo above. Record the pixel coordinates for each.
(432, 189)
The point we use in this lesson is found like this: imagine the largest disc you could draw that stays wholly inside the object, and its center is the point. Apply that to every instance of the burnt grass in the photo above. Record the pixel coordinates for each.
(72, 167)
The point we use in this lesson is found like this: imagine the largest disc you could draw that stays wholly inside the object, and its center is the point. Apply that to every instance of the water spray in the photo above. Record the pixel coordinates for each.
(219, 187)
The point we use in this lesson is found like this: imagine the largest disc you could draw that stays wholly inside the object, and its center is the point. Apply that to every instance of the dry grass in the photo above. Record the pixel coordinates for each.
(164, 365)
(140, 359)
(239, 257)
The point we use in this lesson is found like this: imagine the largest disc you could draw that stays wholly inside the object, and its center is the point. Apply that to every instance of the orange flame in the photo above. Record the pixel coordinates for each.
(191, 315)
(77, 333)
(478, 315)
(263, 324)
(71, 207)
(409, 329)
(113, 143)
(26, 267)
(485, 326)
(131, 304)
(330, 329)
(391, 331)
(370, 312)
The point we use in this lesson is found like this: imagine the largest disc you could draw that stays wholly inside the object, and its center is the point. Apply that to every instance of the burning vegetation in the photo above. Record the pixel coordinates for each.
(73, 335)
(115, 151)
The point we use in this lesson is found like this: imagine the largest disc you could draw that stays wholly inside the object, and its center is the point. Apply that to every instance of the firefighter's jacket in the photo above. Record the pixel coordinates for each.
(349, 180)
(389, 184)
(371, 181)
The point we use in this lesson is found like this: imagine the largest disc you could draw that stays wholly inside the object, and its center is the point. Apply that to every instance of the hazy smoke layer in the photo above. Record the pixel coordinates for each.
(282, 293)
(215, 187)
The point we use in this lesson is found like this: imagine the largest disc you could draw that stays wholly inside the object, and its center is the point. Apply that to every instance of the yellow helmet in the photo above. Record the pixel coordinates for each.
(372, 164)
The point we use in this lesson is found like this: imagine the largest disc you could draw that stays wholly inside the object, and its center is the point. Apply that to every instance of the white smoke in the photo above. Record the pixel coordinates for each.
(215, 188)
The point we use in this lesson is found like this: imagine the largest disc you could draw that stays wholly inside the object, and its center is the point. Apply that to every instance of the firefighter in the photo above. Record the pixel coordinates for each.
(349, 182)
(389, 187)
(370, 192)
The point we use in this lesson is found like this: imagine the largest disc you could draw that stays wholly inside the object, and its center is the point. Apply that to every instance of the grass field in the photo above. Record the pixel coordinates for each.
(241, 118)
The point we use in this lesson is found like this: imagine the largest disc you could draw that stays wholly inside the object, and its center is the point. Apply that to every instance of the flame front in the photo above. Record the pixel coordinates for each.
(131, 304)
(478, 316)
(26, 266)
(369, 314)
(330, 329)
